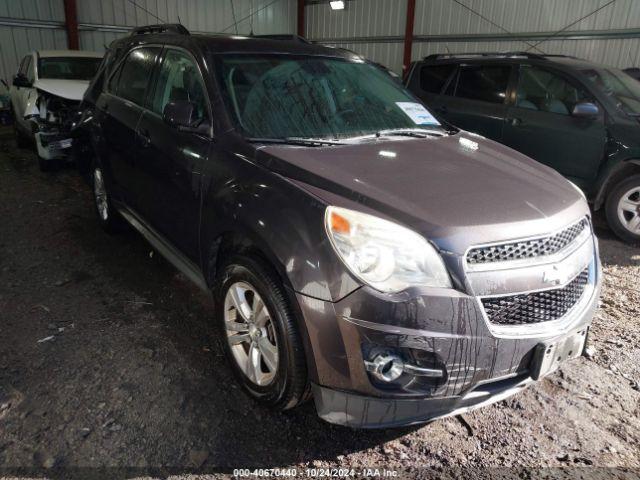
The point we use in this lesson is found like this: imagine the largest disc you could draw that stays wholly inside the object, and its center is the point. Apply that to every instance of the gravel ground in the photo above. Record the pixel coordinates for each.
(107, 359)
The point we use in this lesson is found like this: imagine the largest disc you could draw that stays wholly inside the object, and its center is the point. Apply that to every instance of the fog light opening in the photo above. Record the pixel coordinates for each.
(386, 367)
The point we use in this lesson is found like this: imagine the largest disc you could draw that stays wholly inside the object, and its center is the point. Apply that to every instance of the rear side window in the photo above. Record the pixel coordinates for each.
(487, 83)
(135, 73)
(434, 77)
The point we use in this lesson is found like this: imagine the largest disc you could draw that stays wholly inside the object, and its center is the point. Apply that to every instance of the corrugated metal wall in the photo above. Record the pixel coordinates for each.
(361, 20)
(27, 25)
(45, 19)
(202, 16)
(445, 17)
(443, 26)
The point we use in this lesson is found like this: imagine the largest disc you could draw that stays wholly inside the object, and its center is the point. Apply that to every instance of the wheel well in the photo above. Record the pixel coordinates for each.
(630, 167)
(232, 243)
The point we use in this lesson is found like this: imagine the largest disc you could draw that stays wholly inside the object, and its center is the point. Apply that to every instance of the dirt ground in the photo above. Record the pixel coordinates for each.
(108, 360)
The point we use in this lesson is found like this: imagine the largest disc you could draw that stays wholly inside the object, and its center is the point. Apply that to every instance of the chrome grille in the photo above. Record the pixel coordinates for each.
(536, 307)
(537, 247)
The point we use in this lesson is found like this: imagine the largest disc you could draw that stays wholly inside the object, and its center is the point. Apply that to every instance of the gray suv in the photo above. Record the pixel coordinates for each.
(359, 252)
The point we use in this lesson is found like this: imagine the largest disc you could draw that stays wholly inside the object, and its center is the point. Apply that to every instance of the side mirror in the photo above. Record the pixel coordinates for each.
(585, 110)
(179, 113)
(21, 80)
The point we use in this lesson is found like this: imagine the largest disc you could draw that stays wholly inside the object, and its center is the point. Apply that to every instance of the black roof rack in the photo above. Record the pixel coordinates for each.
(537, 56)
(441, 56)
(283, 36)
(160, 28)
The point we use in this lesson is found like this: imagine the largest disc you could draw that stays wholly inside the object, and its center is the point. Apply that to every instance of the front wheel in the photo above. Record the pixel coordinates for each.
(259, 333)
(623, 209)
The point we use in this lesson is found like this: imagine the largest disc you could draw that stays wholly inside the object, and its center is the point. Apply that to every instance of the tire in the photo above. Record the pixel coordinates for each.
(281, 386)
(108, 217)
(623, 209)
(46, 165)
(21, 140)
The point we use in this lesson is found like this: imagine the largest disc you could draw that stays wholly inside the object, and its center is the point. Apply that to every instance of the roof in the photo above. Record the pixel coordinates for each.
(275, 44)
(69, 53)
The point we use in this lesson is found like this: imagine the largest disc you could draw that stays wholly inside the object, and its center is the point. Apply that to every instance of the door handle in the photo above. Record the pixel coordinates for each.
(516, 122)
(143, 139)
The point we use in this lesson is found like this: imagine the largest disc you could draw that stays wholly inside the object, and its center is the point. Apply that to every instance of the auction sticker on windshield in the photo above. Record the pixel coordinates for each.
(417, 113)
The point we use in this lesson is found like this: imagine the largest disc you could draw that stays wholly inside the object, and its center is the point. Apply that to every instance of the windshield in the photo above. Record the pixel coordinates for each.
(284, 96)
(68, 68)
(623, 89)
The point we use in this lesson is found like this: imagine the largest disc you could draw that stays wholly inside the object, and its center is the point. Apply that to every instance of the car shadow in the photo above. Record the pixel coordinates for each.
(215, 416)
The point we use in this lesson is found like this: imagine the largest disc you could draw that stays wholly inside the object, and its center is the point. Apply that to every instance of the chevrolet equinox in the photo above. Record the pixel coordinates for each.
(360, 251)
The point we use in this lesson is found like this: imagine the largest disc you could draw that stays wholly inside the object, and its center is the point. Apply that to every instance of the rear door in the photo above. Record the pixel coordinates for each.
(171, 160)
(540, 124)
(428, 81)
(119, 110)
(475, 98)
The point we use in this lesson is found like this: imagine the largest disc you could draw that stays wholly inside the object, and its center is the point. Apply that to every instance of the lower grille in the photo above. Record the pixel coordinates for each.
(536, 307)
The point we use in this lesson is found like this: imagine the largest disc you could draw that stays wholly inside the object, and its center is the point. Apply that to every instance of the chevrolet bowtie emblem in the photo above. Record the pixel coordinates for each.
(552, 276)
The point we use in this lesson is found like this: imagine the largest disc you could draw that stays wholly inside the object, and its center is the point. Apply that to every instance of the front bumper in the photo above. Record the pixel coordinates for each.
(53, 145)
(441, 328)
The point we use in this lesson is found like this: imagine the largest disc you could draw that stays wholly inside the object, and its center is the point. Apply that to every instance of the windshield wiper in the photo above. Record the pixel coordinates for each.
(307, 142)
(410, 132)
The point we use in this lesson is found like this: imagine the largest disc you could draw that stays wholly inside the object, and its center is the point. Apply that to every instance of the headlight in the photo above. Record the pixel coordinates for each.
(382, 254)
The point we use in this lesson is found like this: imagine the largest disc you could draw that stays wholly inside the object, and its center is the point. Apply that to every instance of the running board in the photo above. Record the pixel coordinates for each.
(166, 249)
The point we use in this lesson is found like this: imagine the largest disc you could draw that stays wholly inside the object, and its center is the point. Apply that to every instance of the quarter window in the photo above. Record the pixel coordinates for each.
(180, 79)
(487, 83)
(433, 78)
(544, 91)
(134, 74)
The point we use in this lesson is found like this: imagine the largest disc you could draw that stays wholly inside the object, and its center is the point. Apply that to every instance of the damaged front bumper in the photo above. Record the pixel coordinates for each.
(432, 330)
(53, 144)
(52, 120)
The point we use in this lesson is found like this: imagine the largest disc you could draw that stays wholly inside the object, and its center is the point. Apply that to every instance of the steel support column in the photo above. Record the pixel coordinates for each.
(71, 24)
(301, 17)
(408, 36)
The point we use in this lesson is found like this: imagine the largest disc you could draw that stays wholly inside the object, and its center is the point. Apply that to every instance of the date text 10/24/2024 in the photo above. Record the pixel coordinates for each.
(314, 472)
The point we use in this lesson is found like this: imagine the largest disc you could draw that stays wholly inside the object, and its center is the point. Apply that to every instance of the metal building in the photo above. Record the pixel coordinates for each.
(605, 31)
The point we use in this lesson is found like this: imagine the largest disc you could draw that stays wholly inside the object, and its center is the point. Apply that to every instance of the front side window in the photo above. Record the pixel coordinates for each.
(623, 89)
(547, 92)
(486, 83)
(279, 96)
(434, 77)
(180, 79)
(135, 73)
(30, 70)
(24, 65)
(68, 68)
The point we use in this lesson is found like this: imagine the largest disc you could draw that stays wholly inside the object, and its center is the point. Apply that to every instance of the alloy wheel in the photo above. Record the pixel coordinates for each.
(629, 210)
(250, 333)
(100, 193)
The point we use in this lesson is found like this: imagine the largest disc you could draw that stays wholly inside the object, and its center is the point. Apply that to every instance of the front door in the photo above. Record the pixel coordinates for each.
(21, 96)
(171, 160)
(541, 125)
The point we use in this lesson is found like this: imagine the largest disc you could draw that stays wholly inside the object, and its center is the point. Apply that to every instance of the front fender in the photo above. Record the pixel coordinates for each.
(282, 219)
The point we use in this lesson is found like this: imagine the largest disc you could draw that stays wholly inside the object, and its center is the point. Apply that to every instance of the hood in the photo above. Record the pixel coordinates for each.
(69, 89)
(458, 190)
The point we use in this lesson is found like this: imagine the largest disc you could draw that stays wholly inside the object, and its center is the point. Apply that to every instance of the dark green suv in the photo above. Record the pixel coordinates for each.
(575, 116)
